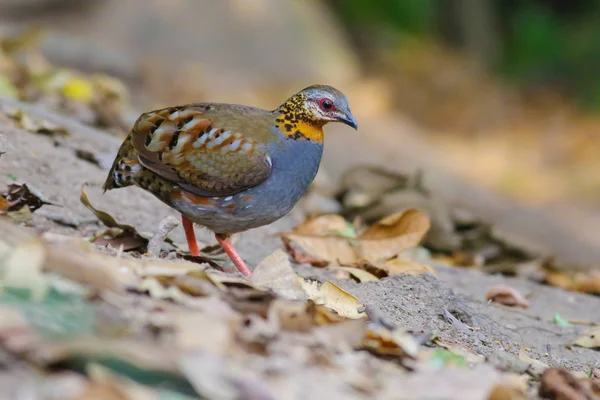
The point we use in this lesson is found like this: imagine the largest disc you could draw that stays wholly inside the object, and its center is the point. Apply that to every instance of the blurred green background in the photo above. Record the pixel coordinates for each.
(529, 42)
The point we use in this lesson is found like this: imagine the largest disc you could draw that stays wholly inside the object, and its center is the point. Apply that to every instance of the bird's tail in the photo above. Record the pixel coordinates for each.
(124, 168)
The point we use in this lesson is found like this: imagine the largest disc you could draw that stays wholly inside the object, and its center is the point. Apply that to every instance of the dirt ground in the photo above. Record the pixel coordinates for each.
(419, 303)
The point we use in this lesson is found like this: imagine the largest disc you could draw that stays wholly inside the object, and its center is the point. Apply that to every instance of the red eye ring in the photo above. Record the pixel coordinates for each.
(326, 105)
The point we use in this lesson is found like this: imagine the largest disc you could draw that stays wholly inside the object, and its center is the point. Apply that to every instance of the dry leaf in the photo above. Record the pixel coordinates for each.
(23, 268)
(535, 366)
(23, 214)
(506, 295)
(103, 378)
(293, 315)
(4, 204)
(359, 275)
(511, 387)
(128, 236)
(300, 257)
(322, 225)
(275, 272)
(349, 333)
(395, 266)
(70, 257)
(223, 281)
(385, 342)
(590, 339)
(334, 297)
(399, 265)
(157, 291)
(558, 384)
(19, 195)
(24, 121)
(393, 234)
(383, 240)
(585, 282)
(460, 350)
(217, 338)
(80, 263)
(139, 353)
(195, 285)
(322, 250)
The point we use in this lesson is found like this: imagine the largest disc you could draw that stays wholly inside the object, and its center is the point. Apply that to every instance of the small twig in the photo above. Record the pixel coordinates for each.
(164, 228)
(549, 352)
(586, 323)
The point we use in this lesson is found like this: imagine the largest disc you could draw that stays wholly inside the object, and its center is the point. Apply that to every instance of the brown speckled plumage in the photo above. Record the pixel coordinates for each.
(229, 167)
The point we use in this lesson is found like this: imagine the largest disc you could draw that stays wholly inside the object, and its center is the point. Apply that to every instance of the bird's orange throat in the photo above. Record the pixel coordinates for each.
(302, 131)
(296, 122)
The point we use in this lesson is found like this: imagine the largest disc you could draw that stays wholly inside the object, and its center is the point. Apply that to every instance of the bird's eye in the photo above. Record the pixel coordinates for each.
(326, 105)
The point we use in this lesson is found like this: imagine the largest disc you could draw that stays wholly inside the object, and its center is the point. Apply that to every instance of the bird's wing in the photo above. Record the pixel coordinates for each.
(202, 147)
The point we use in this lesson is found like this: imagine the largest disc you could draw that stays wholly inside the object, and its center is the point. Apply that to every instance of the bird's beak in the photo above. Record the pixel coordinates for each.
(349, 120)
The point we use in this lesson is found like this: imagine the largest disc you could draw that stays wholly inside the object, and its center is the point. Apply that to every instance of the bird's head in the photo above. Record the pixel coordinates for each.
(318, 105)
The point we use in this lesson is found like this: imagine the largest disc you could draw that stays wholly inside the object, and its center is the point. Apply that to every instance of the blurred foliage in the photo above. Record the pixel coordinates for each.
(540, 43)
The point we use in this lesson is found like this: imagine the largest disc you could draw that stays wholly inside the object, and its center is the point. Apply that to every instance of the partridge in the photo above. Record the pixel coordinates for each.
(229, 167)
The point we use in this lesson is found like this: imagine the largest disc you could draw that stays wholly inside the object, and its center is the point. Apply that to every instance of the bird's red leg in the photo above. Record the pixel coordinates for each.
(188, 227)
(233, 254)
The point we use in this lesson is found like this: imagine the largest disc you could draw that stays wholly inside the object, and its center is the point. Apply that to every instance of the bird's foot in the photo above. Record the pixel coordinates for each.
(233, 254)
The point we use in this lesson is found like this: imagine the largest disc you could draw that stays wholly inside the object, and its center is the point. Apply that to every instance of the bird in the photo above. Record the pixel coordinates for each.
(229, 167)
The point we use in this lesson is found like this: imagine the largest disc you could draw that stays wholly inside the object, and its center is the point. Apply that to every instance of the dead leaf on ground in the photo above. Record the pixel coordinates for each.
(334, 297)
(249, 301)
(300, 257)
(22, 268)
(590, 339)
(82, 264)
(585, 282)
(559, 384)
(506, 295)
(395, 266)
(296, 316)
(372, 193)
(24, 121)
(142, 354)
(395, 343)
(275, 273)
(20, 200)
(72, 258)
(124, 235)
(357, 274)
(510, 387)
(105, 382)
(379, 242)
(460, 350)
(218, 337)
(324, 225)
(535, 366)
(399, 265)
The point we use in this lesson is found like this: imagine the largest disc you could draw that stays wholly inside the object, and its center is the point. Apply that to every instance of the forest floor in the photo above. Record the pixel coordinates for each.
(128, 328)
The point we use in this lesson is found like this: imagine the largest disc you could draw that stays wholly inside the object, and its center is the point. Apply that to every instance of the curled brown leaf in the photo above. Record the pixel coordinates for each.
(124, 235)
(506, 295)
(378, 243)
